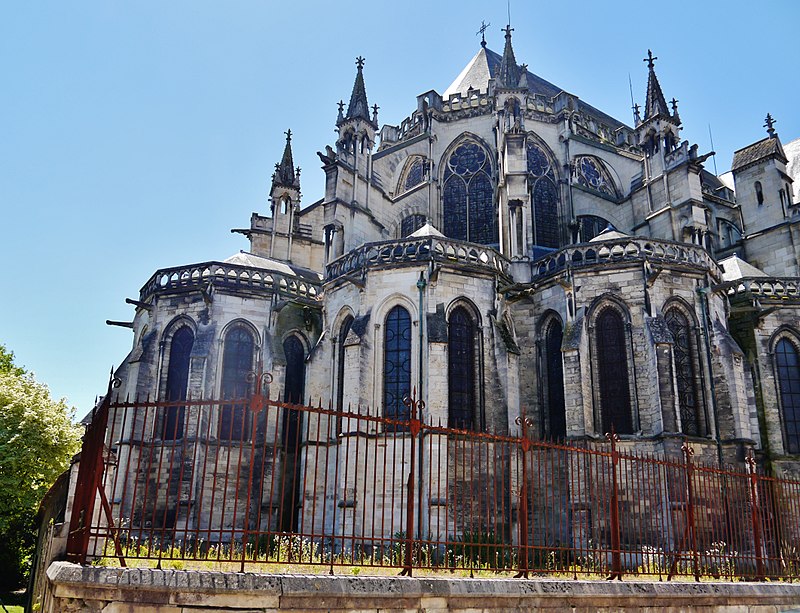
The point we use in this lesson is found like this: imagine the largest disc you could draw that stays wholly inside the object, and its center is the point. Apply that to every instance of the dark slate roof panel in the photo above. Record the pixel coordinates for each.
(757, 151)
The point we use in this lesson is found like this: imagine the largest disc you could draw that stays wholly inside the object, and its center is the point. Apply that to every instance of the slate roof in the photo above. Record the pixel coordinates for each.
(757, 151)
(251, 260)
(736, 268)
(485, 65)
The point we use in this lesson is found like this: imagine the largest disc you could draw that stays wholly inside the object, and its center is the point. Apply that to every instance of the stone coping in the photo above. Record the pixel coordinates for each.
(189, 590)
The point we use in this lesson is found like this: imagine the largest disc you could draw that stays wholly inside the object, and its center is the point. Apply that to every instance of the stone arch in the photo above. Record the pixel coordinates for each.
(785, 353)
(551, 375)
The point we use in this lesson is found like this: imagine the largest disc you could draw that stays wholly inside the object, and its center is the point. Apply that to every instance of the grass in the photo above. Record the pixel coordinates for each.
(12, 601)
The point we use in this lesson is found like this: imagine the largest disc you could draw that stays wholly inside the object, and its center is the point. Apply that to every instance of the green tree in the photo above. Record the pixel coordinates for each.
(37, 440)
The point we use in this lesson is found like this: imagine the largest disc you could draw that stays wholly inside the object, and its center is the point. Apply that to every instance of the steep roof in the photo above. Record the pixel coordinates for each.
(359, 107)
(485, 65)
(758, 151)
(655, 103)
(285, 174)
(734, 268)
(251, 260)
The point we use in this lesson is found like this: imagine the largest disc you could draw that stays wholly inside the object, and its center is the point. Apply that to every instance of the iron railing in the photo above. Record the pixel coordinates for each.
(304, 486)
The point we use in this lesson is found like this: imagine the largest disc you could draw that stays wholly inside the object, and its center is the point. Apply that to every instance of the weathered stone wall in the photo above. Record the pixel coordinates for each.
(73, 589)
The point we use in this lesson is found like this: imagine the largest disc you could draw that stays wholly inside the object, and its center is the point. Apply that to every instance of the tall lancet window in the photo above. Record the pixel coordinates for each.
(396, 363)
(612, 364)
(544, 196)
(684, 352)
(468, 195)
(294, 390)
(461, 370)
(180, 351)
(788, 371)
(237, 363)
(554, 380)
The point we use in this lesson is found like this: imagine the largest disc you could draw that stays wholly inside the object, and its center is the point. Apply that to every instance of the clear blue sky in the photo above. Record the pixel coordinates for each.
(135, 135)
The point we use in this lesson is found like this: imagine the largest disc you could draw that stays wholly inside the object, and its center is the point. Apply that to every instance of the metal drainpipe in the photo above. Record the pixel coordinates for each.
(421, 285)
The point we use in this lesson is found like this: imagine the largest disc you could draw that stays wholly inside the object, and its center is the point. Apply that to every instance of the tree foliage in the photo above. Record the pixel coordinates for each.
(37, 440)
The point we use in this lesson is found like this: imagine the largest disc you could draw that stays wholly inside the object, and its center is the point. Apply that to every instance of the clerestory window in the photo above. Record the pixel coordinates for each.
(468, 195)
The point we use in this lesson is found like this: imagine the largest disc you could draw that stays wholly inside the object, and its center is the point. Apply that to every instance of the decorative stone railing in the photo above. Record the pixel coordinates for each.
(764, 288)
(218, 274)
(413, 250)
(627, 249)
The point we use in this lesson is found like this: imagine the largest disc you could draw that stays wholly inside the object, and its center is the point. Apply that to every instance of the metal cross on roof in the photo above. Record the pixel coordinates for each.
(341, 105)
(508, 30)
(770, 122)
(482, 32)
(650, 59)
(360, 62)
(288, 134)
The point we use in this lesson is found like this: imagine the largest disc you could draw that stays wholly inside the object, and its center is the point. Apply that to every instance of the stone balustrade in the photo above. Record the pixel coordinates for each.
(763, 288)
(218, 274)
(418, 250)
(625, 249)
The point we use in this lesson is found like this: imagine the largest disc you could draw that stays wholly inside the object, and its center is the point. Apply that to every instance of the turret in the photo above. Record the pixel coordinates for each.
(356, 128)
(284, 198)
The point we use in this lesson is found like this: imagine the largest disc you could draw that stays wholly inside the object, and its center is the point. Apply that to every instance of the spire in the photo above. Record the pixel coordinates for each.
(285, 173)
(655, 103)
(508, 73)
(358, 107)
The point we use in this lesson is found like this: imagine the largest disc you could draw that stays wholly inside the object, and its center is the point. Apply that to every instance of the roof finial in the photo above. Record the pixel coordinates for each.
(508, 73)
(674, 104)
(285, 172)
(288, 134)
(375, 108)
(482, 32)
(636, 116)
(650, 59)
(508, 30)
(360, 62)
(770, 122)
(358, 107)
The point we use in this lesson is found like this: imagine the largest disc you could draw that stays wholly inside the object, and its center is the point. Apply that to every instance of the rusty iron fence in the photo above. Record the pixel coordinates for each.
(252, 481)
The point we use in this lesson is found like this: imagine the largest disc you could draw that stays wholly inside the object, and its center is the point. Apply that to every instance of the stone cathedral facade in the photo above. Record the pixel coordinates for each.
(506, 250)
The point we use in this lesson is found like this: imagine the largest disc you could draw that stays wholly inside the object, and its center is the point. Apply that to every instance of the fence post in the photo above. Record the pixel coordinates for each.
(90, 472)
(414, 425)
(755, 515)
(616, 547)
(525, 444)
(688, 452)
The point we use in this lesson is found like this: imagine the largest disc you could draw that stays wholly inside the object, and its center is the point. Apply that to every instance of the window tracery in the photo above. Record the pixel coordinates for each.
(544, 196)
(293, 390)
(590, 226)
(396, 363)
(237, 362)
(612, 365)
(554, 379)
(593, 174)
(787, 366)
(411, 224)
(180, 352)
(684, 353)
(468, 195)
(461, 369)
(414, 174)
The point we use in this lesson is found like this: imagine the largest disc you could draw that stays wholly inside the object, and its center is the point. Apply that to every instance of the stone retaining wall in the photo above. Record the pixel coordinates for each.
(73, 588)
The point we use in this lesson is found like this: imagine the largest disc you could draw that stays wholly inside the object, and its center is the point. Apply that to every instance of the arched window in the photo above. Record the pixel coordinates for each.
(612, 362)
(237, 363)
(759, 192)
(468, 195)
(293, 390)
(343, 332)
(590, 226)
(544, 196)
(411, 224)
(461, 370)
(593, 174)
(180, 351)
(396, 363)
(554, 380)
(788, 367)
(685, 353)
(414, 175)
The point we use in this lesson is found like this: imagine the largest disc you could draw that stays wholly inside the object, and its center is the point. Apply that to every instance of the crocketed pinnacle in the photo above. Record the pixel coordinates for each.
(655, 103)
(359, 107)
(508, 73)
(285, 174)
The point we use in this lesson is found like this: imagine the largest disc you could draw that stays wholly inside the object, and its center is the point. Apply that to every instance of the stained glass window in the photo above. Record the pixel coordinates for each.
(592, 173)
(468, 194)
(590, 226)
(396, 363)
(788, 366)
(414, 175)
(293, 390)
(461, 369)
(557, 419)
(180, 351)
(612, 363)
(683, 353)
(343, 332)
(411, 224)
(237, 363)
(544, 196)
